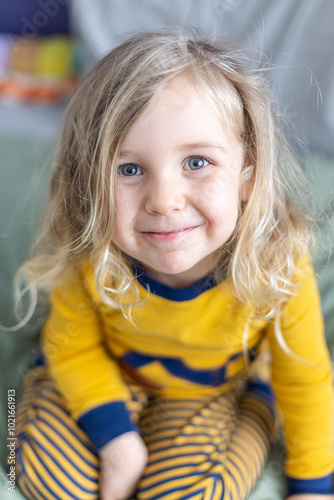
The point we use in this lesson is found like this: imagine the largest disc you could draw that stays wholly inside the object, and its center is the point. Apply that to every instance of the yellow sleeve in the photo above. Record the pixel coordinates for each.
(73, 346)
(304, 391)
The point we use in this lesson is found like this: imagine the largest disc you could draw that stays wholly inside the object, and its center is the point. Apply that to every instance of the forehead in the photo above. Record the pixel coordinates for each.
(182, 111)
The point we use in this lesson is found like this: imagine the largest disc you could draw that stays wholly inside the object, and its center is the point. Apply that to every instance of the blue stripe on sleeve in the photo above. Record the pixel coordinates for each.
(104, 423)
(322, 485)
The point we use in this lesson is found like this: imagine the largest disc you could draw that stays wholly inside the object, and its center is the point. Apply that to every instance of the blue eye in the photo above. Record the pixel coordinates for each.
(196, 163)
(130, 170)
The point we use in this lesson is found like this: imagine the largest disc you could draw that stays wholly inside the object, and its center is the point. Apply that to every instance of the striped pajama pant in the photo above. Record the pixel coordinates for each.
(206, 448)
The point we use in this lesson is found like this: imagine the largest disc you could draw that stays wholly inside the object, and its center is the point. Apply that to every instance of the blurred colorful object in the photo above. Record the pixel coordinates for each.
(38, 69)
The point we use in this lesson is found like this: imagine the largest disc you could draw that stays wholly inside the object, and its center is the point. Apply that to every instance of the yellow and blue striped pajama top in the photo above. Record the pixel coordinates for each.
(186, 343)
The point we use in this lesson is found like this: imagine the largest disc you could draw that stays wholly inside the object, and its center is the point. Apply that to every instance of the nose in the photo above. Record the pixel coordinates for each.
(164, 195)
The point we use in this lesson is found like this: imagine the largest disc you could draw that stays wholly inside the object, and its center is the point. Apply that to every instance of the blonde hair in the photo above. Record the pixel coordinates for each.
(272, 232)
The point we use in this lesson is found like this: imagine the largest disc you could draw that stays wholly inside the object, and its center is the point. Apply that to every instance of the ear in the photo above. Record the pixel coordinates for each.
(247, 182)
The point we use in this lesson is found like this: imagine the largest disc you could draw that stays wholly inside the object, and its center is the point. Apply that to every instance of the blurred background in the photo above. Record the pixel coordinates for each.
(45, 47)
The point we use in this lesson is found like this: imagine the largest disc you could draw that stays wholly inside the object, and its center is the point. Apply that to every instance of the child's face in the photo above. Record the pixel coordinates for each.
(178, 186)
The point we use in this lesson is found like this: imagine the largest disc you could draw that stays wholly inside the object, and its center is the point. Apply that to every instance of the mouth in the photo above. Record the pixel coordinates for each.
(170, 235)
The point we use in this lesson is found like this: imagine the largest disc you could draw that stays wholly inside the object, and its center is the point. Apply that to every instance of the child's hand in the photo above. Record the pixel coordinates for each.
(310, 496)
(123, 461)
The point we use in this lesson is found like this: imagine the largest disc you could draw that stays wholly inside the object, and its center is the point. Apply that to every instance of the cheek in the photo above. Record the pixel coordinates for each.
(123, 219)
(220, 197)
(125, 208)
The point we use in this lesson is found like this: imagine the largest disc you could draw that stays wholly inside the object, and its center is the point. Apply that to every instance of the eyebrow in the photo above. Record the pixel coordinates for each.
(204, 145)
(188, 147)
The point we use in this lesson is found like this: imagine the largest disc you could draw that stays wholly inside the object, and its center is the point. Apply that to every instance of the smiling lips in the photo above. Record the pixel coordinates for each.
(168, 235)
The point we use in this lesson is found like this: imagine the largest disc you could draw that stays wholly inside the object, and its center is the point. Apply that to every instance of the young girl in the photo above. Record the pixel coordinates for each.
(175, 252)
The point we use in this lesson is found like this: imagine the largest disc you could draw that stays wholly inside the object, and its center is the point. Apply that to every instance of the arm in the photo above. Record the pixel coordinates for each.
(85, 374)
(93, 388)
(304, 392)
